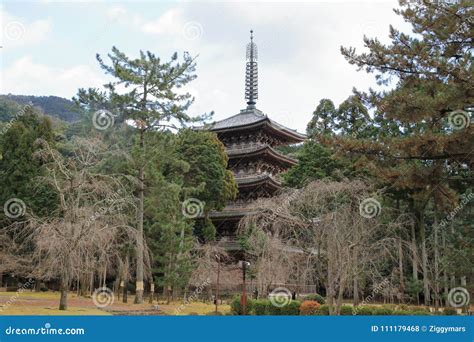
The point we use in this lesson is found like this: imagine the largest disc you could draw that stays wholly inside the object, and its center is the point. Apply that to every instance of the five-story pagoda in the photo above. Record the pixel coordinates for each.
(250, 138)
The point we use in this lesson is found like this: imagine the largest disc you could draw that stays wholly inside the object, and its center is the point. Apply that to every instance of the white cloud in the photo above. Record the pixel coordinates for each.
(25, 76)
(18, 32)
(170, 22)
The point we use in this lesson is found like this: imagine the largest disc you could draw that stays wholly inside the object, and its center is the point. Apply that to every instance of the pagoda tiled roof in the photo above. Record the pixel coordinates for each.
(250, 117)
(259, 149)
(257, 179)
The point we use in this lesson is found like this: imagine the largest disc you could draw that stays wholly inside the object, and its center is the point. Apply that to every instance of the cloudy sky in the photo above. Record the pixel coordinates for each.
(49, 48)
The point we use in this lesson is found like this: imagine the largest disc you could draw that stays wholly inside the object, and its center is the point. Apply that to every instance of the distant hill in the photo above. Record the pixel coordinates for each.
(54, 106)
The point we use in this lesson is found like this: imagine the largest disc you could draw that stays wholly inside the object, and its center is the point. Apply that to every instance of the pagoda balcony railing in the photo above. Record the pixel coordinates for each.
(245, 146)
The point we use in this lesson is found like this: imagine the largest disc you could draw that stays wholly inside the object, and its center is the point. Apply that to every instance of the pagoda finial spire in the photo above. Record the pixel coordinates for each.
(251, 74)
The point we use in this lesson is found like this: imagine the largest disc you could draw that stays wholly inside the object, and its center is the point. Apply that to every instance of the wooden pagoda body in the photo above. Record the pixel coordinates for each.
(250, 139)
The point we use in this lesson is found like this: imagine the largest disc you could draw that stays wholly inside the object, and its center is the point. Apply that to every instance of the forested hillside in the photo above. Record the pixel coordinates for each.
(54, 106)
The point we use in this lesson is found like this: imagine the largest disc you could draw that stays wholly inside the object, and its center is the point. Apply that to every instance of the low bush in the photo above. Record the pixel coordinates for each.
(346, 310)
(309, 307)
(402, 312)
(323, 310)
(315, 297)
(418, 308)
(382, 311)
(290, 309)
(364, 311)
(260, 307)
(450, 311)
(236, 306)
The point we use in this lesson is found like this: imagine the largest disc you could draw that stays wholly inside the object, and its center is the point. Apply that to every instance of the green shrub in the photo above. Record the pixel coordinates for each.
(402, 312)
(315, 297)
(450, 311)
(323, 310)
(236, 307)
(382, 311)
(418, 308)
(260, 307)
(291, 309)
(420, 313)
(390, 307)
(309, 307)
(364, 311)
(346, 310)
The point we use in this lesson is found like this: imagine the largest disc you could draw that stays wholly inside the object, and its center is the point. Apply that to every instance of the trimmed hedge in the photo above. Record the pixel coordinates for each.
(315, 297)
(450, 311)
(309, 307)
(291, 309)
(364, 311)
(323, 310)
(260, 307)
(382, 311)
(347, 310)
(236, 307)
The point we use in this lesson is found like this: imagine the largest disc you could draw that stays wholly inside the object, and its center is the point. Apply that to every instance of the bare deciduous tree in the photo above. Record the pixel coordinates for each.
(322, 224)
(83, 238)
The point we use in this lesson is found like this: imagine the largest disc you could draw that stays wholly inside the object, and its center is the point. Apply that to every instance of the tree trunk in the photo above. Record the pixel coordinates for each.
(125, 279)
(152, 291)
(445, 274)
(63, 288)
(141, 180)
(436, 263)
(400, 269)
(424, 256)
(414, 258)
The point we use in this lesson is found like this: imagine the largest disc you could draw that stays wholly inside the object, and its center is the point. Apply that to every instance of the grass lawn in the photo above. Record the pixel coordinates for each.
(46, 303)
(192, 308)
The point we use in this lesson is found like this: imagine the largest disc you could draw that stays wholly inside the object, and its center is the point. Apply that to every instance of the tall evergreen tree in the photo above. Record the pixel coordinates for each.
(323, 118)
(434, 88)
(148, 96)
(19, 170)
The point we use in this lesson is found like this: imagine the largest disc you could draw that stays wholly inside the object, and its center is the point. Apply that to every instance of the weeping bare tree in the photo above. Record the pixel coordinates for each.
(335, 226)
(83, 237)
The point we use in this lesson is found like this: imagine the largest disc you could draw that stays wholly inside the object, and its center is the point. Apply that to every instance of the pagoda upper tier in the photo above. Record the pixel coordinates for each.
(250, 139)
(249, 121)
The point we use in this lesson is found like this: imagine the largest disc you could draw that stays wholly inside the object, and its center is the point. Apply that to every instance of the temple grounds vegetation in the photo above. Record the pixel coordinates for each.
(378, 209)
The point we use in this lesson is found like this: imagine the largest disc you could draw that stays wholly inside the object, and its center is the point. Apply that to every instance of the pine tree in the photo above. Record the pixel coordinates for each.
(151, 101)
(434, 89)
(323, 118)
